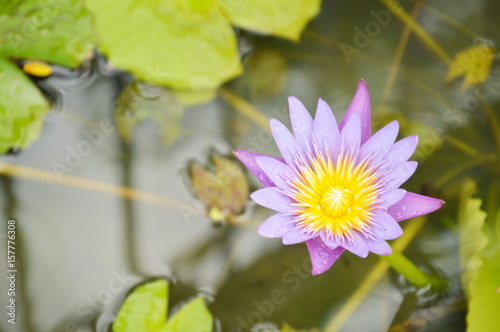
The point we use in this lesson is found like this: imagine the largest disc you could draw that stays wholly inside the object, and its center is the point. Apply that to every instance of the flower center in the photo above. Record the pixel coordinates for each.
(336, 201)
(335, 197)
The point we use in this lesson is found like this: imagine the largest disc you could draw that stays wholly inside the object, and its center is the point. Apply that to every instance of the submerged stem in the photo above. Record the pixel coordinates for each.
(427, 39)
(412, 273)
(464, 167)
(244, 108)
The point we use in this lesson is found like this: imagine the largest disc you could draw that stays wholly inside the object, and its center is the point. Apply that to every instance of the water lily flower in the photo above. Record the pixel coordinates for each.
(337, 186)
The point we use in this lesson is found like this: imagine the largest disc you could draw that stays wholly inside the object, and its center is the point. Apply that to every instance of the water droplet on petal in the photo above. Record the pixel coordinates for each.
(324, 255)
(403, 208)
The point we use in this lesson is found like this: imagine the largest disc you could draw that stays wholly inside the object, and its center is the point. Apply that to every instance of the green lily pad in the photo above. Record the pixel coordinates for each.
(59, 32)
(186, 45)
(485, 294)
(145, 309)
(22, 108)
(282, 18)
(193, 317)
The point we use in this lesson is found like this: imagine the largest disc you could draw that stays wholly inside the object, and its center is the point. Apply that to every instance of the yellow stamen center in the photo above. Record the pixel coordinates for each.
(335, 197)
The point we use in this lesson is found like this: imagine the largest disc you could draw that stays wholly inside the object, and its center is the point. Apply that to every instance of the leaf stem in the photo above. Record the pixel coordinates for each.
(244, 108)
(464, 167)
(398, 55)
(398, 10)
(412, 273)
(93, 185)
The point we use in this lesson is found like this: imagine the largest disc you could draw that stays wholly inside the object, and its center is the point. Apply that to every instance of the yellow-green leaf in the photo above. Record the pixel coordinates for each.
(474, 63)
(472, 241)
(484, 304)
(22, 108)
(282, 18)
(185, 45)
(193, 317)
(145, 309)
(59, 32)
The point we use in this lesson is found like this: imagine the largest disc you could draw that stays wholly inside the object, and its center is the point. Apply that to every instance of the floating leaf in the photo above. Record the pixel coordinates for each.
(59, 32)
(186, 45)
(223, 192)
(283, 18)
(193, 317)
(204, 184)
(145, 309)
(484, 301)
(471, 238)
(234, 183)
(22, 108)
(474, 63)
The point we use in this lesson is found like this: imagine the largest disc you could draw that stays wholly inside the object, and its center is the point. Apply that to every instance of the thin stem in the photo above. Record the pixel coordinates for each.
(412, 273)
(120, 191)
(462, 146)
(398, 10)
(451, 21)
(245, 108)
(463, 167)
(130, 220)
(398, 55)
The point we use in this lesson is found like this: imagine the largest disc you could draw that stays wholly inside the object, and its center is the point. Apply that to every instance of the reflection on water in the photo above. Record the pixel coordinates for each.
(80, 250)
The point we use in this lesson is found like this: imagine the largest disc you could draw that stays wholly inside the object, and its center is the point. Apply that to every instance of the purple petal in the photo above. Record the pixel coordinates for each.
(400, 174)
(249, 160)
(403, 149)
(326, 131)
(385, 227)
(329, 240)
(357, 246)
(360, 105)
(378, 247)
(414, 205)
(276, 226)
(380, 142)
(391, 197)
(297, 235)
(322, 257)
(302, 122)
(350, 135)
(273, 199)
(276, 170)
(285, 141)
